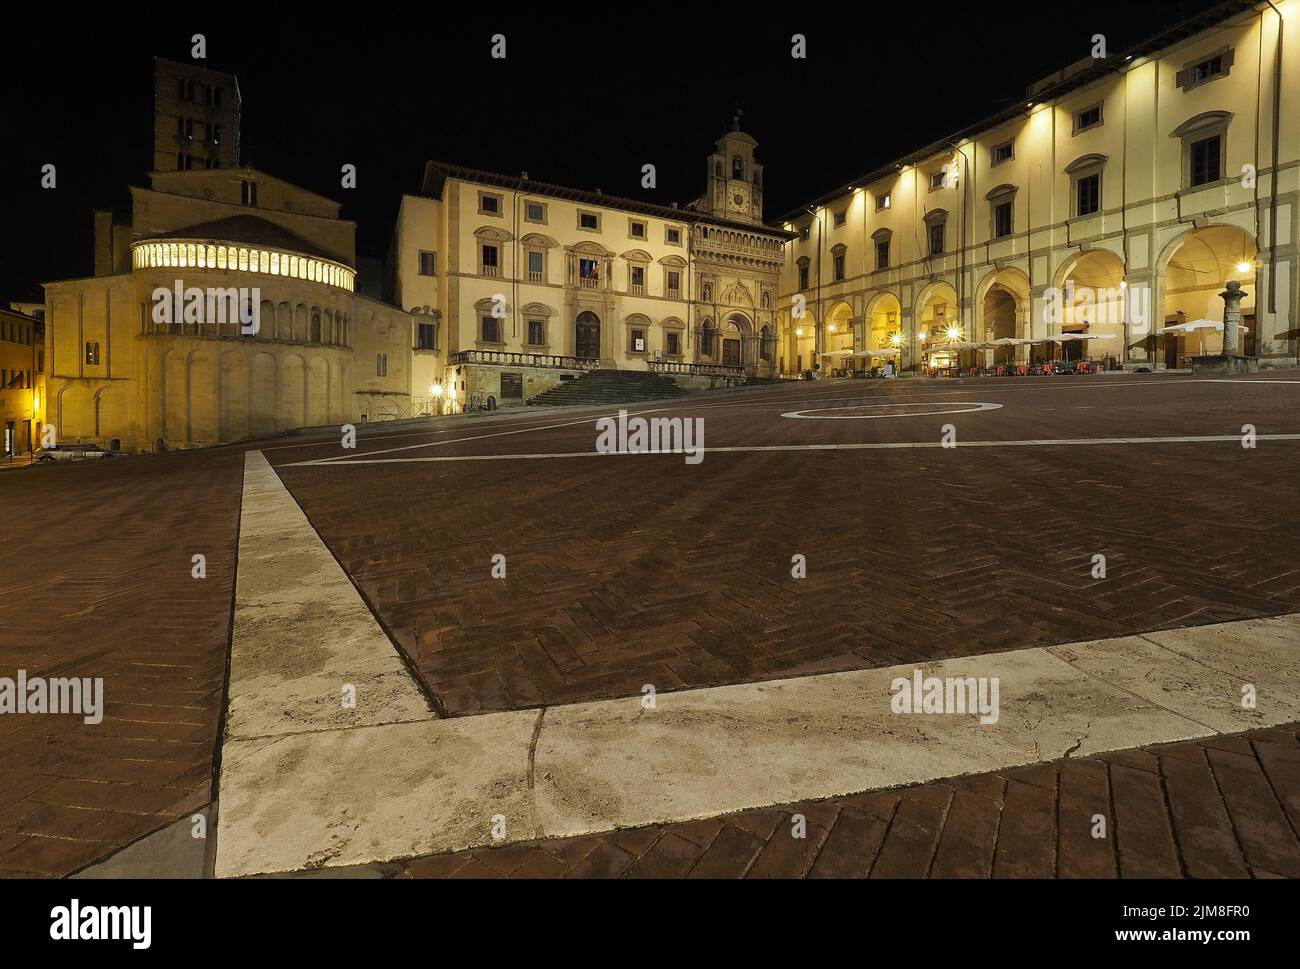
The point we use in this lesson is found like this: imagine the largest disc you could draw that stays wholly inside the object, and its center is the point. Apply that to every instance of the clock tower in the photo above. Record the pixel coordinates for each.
(735, 182)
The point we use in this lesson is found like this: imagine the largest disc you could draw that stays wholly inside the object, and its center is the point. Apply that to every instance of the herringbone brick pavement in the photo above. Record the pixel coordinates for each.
(1222, 807)
(632, 570)
(96, 575)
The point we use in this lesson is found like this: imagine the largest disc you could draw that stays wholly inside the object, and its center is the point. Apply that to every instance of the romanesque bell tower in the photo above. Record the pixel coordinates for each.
(735, 184)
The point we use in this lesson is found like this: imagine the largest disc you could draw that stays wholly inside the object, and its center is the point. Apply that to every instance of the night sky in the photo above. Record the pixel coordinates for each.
(584, 100)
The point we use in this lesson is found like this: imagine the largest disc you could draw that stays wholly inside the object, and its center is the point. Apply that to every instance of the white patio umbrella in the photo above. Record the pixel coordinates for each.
(1198, 325)
(1201, 325)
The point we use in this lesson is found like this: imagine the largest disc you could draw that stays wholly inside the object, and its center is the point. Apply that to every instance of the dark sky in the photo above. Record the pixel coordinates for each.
(584, 100)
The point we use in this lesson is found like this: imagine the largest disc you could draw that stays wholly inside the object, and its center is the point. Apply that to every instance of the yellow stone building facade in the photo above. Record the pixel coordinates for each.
(280, 339)
(22, 382)
(1119, 198)
(519, 284)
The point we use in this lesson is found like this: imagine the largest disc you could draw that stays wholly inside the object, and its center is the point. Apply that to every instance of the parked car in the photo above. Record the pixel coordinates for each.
(76, 452)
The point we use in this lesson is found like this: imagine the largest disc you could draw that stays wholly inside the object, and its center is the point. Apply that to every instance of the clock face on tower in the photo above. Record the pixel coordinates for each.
(739, 201)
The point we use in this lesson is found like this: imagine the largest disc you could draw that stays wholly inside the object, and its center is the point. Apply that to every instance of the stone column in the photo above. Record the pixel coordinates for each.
(1232, 297)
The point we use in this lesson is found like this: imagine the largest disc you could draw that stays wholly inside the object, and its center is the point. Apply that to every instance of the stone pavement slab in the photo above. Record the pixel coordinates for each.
(1184, 810)
(302, 635)
(364, 794)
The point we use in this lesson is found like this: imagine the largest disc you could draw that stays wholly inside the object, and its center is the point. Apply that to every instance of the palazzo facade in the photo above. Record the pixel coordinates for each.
(1118, 199)
(518, 284)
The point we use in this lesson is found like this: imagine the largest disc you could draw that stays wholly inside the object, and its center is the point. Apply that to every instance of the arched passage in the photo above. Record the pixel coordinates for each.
(1195, 268)
(938, 327)
(802, 342)
(1091, 302)
(1002, 302)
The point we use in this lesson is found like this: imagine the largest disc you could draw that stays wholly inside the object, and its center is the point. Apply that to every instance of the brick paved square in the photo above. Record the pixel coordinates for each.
(636, 569)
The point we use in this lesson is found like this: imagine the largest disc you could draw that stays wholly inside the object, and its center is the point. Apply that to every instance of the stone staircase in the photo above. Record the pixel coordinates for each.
(610, 387)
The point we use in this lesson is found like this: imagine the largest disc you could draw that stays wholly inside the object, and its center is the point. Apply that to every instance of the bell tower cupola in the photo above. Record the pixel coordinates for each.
(735, 181)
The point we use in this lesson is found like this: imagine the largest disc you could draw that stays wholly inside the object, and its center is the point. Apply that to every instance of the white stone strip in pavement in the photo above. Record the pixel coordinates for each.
(367, 793)
(753, 448)
(302, 633)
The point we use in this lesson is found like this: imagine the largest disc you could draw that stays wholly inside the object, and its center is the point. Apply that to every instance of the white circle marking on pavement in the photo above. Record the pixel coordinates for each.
(816, 413)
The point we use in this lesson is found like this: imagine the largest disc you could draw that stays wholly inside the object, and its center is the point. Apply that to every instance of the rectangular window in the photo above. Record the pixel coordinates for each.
(938, 180)
(1004, 152)
(1204, 159)
(1089, 195)
(840, 218)
(803, 277)
(636, 230)
(1207, 69)
(637, 278)
(428, 263)
(491, 329)
(536, 333)
(426, 336)
(589, 271)
(674, 283)
(489, 204)
(1002, 220)
(636, 341)
(588, 220)
(248, 192)
(92, 354)
(535, 212)
(936, 239)
(674, 340)
(839, 266)
(381, 365)
(1087, 118)
(490, 257)
(883, 201)
(536, 266)
(882, 254)
(674, 237)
